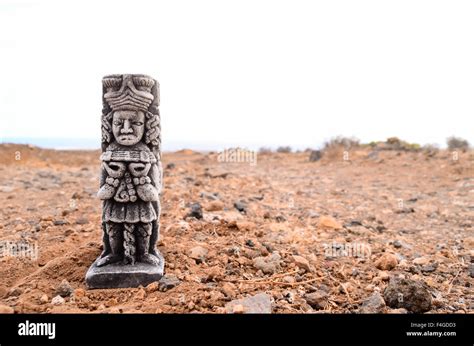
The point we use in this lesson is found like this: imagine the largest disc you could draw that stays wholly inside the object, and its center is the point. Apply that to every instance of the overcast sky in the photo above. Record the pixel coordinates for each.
(249, 73)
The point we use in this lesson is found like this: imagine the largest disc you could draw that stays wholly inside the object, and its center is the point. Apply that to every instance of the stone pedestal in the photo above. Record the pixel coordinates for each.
(124, 275)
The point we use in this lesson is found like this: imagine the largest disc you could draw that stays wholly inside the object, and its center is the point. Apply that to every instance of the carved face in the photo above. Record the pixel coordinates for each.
(128, 126)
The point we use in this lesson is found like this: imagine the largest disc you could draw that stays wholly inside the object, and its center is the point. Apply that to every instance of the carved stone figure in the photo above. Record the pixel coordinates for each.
(130, 184)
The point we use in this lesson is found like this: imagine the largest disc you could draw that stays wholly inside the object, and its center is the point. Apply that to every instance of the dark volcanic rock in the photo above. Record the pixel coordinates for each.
(196, 211)
(408, 294)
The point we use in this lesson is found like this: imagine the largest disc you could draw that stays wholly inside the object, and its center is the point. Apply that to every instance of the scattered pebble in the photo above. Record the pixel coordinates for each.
(215, 206)
(388, 261)
(196, 211)
(64, 289)
(240, 206)
(317, 300)
(429, 268)
(302, 262)
(268, 264)
(198, 253)
(44, 299)
(59, 222)
(373, 305)
(58, 300)
(168, 282)
(327, 222)
(421, 261)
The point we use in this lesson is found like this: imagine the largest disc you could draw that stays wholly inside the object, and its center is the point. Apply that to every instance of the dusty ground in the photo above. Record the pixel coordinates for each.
(418, 207)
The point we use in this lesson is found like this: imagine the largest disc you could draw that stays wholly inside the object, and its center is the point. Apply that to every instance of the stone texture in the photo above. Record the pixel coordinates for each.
(387, 261)
(317, 300)
(58, 300)
(168, 282)
(121, 275)
(260, 303)
(373, 305)
(130, 184)
(198, 253)
(302, 263)
(4, 309)
(408, 294)
(327, 222)
(64, 289)
(269, 264)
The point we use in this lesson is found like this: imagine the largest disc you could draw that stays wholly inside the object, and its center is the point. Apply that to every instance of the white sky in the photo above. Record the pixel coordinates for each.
(249, 73)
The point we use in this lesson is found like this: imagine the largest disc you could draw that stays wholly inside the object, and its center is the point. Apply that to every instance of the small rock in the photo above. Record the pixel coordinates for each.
(64, 289)
(168, 282)
(79, 293)
(82, 220)
(170, 165)
(387, 262)
(5, 309)
(289, 279)
(317, 300)
(58, 300)
(260, 303)
(249, 243)
(269, 264)
(44, 299)
(429, 268)
(373, 305)
(152, 287)
(315, 155)
(68, 232)
(397, 244)
(302, 262)
(240, 206)
(215, 206)
(196, 211)
(211, 196)
(421, 261)
(471, 270)
(280, 218)
(179, 227)
(228, 289)
(407, 294)
(328, 223)
(238, 309)
(384, 276)
(59, 222)
(245, 226)
(198, 253)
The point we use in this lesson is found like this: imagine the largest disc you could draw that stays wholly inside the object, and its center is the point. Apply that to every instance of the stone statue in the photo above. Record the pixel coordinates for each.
(130, 184)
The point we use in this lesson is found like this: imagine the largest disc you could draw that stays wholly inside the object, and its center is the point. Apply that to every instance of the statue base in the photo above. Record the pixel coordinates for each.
(119, 275)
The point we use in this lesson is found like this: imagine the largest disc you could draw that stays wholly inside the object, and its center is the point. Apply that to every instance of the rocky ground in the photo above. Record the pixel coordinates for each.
(388, 231)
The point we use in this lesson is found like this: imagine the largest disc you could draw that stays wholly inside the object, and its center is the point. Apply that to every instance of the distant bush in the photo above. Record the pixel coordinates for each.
(395, 143)
(286, 149)
(265, 150)
(457, 143)
(430, 149)
(339, 141)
